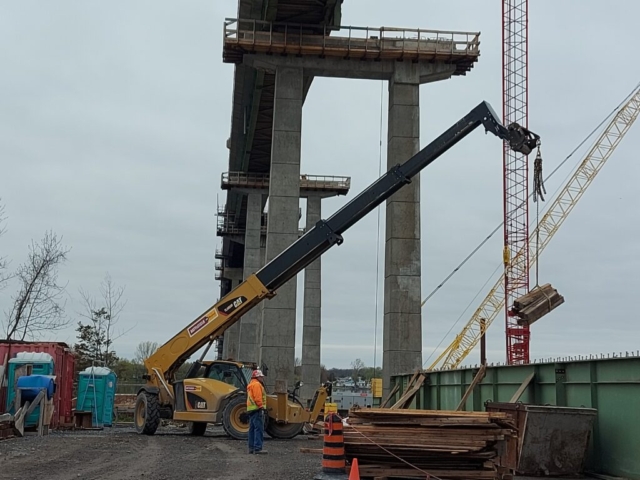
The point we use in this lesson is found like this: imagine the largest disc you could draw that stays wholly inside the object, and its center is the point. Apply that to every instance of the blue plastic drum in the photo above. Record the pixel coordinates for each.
(31, 385)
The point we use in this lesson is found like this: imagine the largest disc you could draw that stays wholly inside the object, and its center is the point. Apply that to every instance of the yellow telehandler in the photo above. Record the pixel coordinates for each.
(214, 392)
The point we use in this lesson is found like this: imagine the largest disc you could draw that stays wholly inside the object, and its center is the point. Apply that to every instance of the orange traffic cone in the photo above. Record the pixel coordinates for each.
(354, 474)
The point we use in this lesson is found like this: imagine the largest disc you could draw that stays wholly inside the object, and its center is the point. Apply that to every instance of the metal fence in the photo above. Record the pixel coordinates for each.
(307, 182)
(256, 36)
(128, 388)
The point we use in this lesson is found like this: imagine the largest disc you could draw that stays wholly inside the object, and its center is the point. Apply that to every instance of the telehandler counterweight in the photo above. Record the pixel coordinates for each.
(218, 397)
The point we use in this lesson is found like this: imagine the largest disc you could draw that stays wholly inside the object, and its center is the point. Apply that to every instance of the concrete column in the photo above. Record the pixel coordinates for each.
(231, 341)
(277, 349)
(248, 350)
(402, 334)
(311, 317)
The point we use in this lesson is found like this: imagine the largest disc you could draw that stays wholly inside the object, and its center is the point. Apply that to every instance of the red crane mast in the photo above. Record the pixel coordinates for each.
(516, 168)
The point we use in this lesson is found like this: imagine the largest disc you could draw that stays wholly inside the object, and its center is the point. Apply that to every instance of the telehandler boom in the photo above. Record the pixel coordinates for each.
(207, 398)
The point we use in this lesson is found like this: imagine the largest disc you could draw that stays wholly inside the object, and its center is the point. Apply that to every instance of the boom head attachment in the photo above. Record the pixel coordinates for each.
(521, 140)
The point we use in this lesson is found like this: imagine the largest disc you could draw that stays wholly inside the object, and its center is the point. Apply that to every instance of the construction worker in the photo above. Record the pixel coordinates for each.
(257, 409)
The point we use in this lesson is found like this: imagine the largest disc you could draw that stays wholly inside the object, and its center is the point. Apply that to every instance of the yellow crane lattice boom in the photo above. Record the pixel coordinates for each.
(548, 225)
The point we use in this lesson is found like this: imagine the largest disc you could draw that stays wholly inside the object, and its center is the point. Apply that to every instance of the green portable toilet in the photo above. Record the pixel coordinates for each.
(27, 363)
(96, 394)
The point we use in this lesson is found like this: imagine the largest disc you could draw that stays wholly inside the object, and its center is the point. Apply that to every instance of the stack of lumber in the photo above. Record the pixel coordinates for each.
(536, 304)
(445, 444)
(6, 426)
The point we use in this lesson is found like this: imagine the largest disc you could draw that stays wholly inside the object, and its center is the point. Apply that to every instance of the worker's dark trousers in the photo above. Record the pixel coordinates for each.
(256, 430)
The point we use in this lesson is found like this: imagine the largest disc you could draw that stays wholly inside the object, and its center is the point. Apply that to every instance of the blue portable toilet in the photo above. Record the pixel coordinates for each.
(96, 394)
(27, 363)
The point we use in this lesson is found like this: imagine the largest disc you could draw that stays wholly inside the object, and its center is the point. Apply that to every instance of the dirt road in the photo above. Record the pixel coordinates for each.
(118, 454)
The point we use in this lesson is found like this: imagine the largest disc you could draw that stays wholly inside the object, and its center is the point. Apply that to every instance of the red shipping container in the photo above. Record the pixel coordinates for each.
(64, 361)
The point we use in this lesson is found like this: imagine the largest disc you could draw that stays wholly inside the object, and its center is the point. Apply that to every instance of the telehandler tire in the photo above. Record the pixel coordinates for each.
(235, 419)
(198, 428)
(146, 416)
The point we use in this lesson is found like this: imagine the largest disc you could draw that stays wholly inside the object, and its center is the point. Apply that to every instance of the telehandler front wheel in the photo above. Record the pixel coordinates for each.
(146, 417)
(235, 418)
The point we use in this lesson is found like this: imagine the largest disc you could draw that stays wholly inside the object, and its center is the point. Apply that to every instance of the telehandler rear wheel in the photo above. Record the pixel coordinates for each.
(198, 428)
(235, 419)
(146, 416)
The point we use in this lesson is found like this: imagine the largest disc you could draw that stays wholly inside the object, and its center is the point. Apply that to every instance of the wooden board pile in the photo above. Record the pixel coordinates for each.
(536, 304)
(445, 444)
(6, 426)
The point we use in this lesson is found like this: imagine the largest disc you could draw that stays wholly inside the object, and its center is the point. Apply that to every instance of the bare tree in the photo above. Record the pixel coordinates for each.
(39, 304)
(144, 350)
(3, 260)
(103, 315)
(357, 366)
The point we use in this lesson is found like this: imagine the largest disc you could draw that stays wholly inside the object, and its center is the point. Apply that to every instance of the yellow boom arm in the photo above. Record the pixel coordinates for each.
(213, 322)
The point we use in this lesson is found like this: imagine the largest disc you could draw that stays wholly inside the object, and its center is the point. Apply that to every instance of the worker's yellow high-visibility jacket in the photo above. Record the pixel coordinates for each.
(256, 396)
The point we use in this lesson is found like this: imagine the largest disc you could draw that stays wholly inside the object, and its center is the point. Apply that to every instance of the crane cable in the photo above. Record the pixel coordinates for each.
(375, 331)
(538, 191)
(560, 165)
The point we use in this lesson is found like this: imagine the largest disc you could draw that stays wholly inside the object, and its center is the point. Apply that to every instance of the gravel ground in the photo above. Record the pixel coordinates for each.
(120, 453)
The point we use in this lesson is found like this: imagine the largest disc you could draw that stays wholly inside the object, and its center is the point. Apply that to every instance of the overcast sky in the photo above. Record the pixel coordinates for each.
(113, 123)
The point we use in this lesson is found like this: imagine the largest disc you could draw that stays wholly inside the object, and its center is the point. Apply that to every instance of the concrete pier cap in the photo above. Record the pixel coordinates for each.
(426, 72)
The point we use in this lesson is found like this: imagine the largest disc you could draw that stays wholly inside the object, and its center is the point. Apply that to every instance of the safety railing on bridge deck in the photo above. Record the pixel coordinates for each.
(307, 182)
(227, 225)
(257, 36)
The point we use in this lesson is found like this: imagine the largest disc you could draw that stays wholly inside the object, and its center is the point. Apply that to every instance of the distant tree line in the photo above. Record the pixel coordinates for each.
(358, 370)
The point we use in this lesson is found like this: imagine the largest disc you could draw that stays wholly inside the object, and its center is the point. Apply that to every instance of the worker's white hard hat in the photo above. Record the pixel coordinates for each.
(257, 373)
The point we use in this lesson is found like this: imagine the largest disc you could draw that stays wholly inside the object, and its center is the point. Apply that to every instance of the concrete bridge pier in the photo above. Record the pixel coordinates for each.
(253, 261)
(402, 330)
(311, 318)
(230, 342)
(278, 327)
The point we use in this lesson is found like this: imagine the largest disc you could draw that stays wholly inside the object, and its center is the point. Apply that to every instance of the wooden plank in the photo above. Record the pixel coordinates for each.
(412, 382)
(523, 386)
(434, 414)
(537, 303)
(386, 471)
(390, 396)
(18, 420)
(3, 371)
(477, 379)
(35, 403)
(532, 296)
(452, 445)
(410, 393)
(310, 450)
